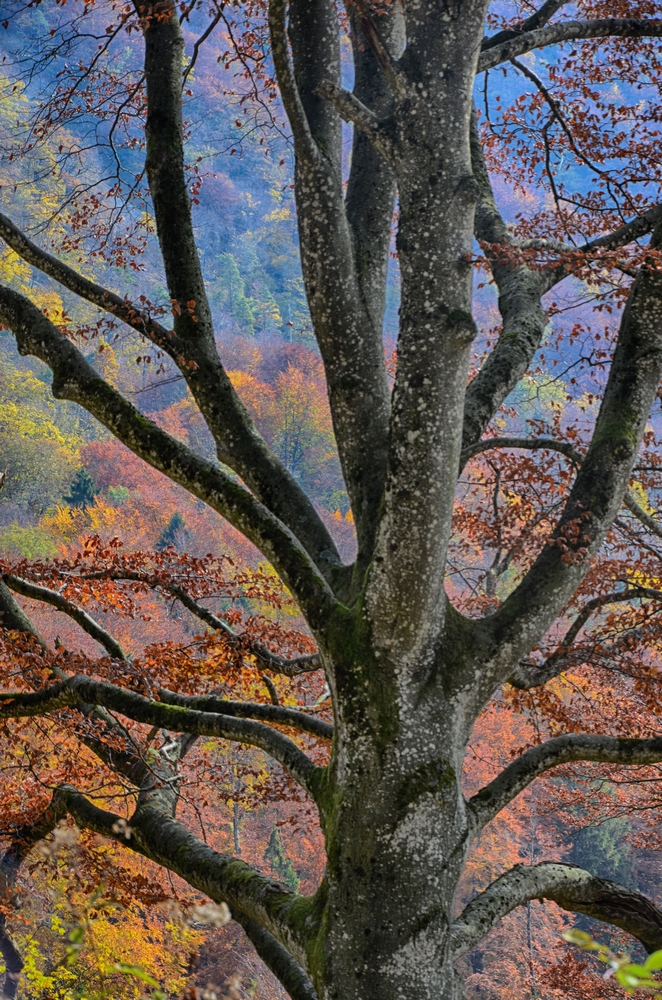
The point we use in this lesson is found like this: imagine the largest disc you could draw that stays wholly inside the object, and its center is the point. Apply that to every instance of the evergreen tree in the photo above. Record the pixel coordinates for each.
(173, 533)
(82, 492)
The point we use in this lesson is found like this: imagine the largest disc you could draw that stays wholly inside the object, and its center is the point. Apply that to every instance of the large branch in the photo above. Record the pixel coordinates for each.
(571, 888)
(12, 616)
(349, 341)
(156, 835)
(437, 193)
(524, 321)
(278, 959)
(536, 20)
(598, 490)
(280, 714)
(491, 799)
(164, 164)
(371, 184)
(567, 31)
(259, 904)
(238, 443)
(76, 380)
(191, 345)
(172, 717)
(322, 121)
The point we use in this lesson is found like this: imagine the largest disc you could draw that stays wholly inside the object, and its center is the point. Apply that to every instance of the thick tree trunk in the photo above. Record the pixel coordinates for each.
(396, 852)
(396, 831)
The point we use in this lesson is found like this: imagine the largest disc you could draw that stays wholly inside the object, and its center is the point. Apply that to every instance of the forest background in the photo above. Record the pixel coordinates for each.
(82, 908)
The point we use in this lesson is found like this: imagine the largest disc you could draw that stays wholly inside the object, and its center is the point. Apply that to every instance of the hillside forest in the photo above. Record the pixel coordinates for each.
(179, 598)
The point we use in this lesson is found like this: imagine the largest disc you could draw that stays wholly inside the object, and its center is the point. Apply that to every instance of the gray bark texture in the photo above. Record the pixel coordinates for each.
(408, 674)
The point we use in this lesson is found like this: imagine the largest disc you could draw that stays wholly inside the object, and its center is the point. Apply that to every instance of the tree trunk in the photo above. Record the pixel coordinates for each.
(396, 830)
(396, 852)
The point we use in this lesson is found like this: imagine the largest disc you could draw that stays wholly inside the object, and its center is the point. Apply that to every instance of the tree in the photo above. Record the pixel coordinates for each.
(409, 670)
(82, 491)
(172, 532)
(280, 863)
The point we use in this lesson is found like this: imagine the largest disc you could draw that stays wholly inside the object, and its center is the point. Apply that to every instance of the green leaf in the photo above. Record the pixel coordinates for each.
(654, 961)
(583, 940)
(637, 970)
(76, 934)
(580, 938)
(631, 980)
(134, 970)
(72, 953)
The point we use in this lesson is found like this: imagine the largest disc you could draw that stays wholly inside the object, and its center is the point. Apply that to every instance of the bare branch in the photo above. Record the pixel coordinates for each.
(137, 318)
(537, 20)
(568, 31)
(640, 226)
(529, 444)
(278, 959)
(351, 110)
(633, 230)
(571, 888)
(81, 617)
(641, 515)
(271, 688)
(491, 799)
(564, 448)
(199, 41)
(279, 664)
(526, 676)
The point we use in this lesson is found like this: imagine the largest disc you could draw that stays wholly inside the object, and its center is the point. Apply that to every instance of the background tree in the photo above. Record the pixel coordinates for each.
(413, 645)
